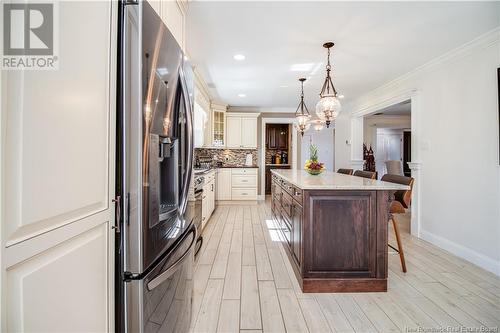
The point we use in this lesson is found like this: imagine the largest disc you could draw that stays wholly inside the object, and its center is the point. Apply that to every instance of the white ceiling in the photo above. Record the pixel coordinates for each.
(375, 42)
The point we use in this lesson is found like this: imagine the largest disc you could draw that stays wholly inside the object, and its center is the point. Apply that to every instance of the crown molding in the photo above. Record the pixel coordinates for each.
(483, 41)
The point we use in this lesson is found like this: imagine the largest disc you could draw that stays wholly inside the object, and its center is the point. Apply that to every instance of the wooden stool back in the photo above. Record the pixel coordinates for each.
(345, 171)
(365, 174)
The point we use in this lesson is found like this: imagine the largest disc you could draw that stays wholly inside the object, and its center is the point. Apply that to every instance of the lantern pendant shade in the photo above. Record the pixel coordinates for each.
(302, 114)
(328, 108)
(302, 127)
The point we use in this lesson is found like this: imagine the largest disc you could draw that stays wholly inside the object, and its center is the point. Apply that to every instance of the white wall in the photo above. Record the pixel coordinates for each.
(342, 141)
(324, 142)
(458, 139)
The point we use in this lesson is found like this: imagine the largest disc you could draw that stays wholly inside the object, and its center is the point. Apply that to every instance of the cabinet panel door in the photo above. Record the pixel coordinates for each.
(282, 137)
(57, 129)
(173, 17)
(224, 184)
(341, 233)
(63, 288)
(156, 5)
(271, 136)
(249, 132)
(297, 232)
(58, 154)
(212, 196)
(233, 132)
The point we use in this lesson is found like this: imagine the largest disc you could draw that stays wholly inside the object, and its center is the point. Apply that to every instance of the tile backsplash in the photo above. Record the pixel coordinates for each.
(227, 156)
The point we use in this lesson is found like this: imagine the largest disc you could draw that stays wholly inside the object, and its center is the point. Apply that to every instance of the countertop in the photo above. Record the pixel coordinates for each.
(329, 180)
(236, 166)
(277, 164)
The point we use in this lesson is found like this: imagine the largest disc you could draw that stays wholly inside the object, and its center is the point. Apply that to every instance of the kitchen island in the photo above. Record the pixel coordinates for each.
(334, 229)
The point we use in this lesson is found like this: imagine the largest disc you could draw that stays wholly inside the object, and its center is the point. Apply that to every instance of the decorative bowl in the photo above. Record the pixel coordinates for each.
(314, 172)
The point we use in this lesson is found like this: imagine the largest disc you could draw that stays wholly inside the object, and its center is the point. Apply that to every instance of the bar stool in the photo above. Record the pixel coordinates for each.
(345, 171)
(401, 202)
(365, 174)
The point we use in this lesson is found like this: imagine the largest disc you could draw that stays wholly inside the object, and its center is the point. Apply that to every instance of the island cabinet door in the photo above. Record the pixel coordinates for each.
(340, 234)
(297, 232)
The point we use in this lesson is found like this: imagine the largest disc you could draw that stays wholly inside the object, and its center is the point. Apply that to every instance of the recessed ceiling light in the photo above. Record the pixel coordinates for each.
(242, 95)
(239, 57)
(340, 96)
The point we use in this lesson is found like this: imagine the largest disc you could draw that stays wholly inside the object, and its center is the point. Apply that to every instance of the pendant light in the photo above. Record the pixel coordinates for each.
(328, 106)
(302, 113)
(317, 124)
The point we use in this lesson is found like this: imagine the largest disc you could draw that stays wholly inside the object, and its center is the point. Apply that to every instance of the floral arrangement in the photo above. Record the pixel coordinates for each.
(312, 165)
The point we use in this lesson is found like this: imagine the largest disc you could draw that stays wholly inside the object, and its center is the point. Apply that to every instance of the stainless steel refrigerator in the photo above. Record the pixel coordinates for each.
(156, 236)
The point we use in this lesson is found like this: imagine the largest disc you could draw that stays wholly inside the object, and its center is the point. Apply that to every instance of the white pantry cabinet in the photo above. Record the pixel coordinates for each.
(241, 130)
(58, 162)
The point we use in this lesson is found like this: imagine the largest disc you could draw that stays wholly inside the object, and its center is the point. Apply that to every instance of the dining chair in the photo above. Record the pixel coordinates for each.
(365, 174)
(394, 167)
(345, 171)
(401, 202)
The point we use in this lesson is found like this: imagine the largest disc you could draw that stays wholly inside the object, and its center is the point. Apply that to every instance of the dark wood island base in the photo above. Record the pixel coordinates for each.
(335, 239)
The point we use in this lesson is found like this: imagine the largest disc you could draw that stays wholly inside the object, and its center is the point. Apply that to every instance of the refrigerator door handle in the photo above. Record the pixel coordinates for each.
(189, 120)
(169, 271)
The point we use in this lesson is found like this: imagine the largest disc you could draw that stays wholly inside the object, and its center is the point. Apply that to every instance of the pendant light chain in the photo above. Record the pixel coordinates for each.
(328, 80)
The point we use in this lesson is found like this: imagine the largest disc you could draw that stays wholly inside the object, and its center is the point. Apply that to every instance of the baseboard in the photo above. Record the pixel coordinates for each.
(463, 252)
(261, 197)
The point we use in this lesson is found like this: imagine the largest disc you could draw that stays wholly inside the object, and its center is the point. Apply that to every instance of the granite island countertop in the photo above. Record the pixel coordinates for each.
(329, 180)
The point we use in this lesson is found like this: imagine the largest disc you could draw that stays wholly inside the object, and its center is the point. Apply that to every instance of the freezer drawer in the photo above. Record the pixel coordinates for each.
(161, 301)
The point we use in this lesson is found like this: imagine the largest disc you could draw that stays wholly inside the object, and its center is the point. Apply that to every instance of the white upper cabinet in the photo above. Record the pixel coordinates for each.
(249, 132)
(233, 131)
(173, 14)
(241, 130)
(218, 130)
(202, 114)
(200, 123)
(156, 5)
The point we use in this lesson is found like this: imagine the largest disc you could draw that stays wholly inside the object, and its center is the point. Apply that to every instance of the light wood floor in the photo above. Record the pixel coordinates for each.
(244, 282)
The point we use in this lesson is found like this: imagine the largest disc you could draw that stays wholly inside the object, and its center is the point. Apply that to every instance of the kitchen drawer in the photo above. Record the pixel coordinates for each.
(297, 195)
(288, 187)
(244, 171)
(277, 188)
(244, 194)
(286, 203)
(244, 181)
